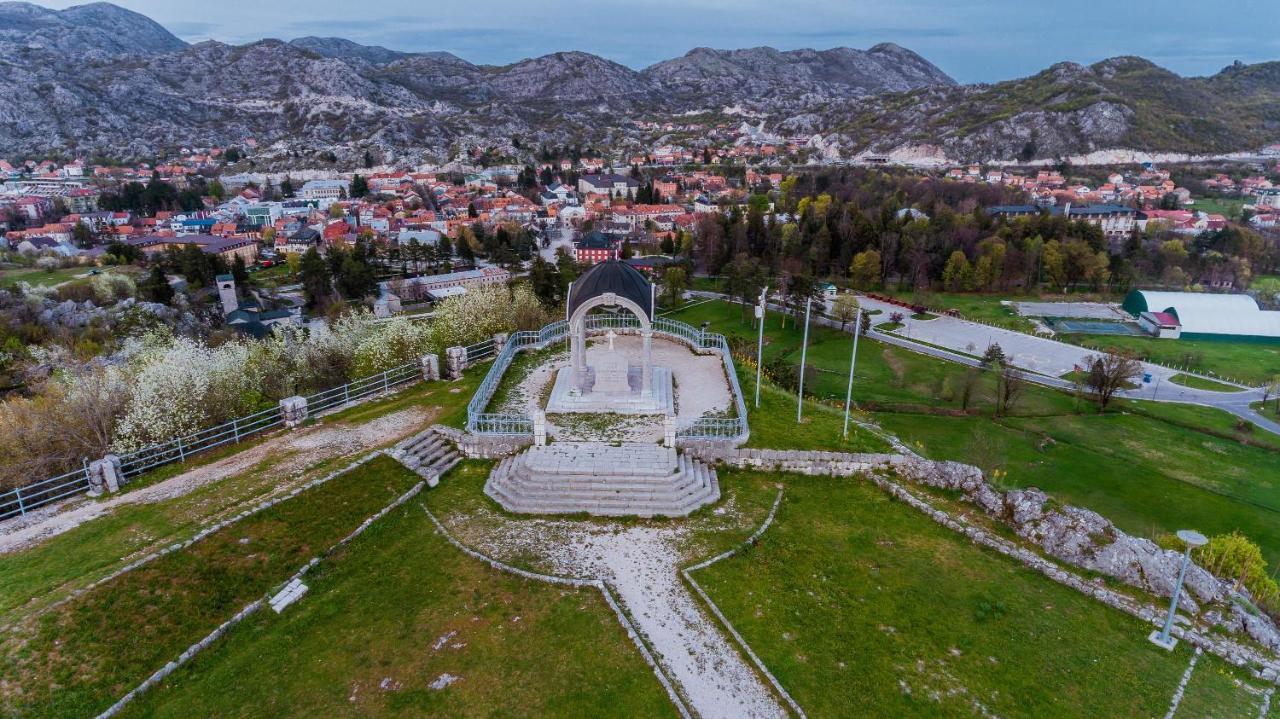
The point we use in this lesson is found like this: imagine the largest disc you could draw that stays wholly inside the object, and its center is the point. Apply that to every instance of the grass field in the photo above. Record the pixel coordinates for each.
(69, 661)
(1249, 362)
(1230, 207)
(1147, 470)
(398, 609)
(979, 307)
(1218, 690)
(36, 277)
(861, 606)
(49, 570)
(1195, 382)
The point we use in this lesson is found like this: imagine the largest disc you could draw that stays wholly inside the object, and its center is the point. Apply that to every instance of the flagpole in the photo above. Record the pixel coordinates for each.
(848, 395)
(804, 348)
(760, 313)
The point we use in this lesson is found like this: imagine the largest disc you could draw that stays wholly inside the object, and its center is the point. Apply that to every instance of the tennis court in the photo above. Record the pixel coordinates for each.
(1092, 327)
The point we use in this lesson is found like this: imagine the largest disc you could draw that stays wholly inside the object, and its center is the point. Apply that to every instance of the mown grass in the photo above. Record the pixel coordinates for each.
(861, 606)
(1218, 690)
(1147, 476)
(367, 640)
(37, 575)
(1194, 382)
(1249, 362)
(773, 424)
(76, 659)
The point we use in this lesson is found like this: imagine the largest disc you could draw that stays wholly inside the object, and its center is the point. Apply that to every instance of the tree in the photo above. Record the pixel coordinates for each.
(957, 275)
(156, 287)
(239, 272)
(286, 187)
(626, 252)
(994, 355)
(864, 273)
(359, 186)
(1009, 388)
(667, 246)
(316, 280)
(674, 282)
(216, 190)
(845, 309)
(1109, 373)
(83, 235)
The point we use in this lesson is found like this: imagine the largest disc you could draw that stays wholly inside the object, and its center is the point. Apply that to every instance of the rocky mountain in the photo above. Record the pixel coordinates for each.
(343, 49)
(94, 32)
(100, 80)
(1071, 109)
(725, 76)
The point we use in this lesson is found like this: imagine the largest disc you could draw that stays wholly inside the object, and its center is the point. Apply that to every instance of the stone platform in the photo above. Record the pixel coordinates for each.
(645, 480)
(660, 401)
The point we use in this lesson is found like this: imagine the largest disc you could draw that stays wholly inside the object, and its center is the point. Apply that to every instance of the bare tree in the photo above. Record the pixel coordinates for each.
(1109, 373)
(968, 384)
(1009, 388)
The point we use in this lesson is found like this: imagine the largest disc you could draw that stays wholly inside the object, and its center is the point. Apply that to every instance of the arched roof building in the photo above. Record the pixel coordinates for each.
(1209, 315)
(613, 276)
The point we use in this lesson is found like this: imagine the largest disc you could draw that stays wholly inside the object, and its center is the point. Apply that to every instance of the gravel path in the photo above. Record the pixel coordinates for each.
(299, 450)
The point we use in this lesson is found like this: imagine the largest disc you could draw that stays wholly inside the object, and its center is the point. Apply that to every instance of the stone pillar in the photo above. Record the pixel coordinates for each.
(646, 386)
(499, 341)
(455, 360)
(105, 475)
(430, 367)
(577, 355)
(540, 428)
(669, 430)
(293, 410)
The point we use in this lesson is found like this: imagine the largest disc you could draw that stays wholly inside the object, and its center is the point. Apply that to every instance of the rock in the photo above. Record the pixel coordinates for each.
(1025, 505)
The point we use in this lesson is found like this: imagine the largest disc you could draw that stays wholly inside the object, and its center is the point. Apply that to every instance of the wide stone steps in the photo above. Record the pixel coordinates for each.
(428, 454)
(594, 478)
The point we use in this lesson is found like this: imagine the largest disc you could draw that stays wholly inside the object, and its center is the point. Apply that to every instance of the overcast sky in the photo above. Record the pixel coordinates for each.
(972, 40)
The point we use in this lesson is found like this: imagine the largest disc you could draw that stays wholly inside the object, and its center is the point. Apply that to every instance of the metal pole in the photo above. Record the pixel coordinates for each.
(763, 310)
(1173, 603)
(804, 348)
(853, 362)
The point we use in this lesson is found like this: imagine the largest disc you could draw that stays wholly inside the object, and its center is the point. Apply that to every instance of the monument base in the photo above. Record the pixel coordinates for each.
(661, 399)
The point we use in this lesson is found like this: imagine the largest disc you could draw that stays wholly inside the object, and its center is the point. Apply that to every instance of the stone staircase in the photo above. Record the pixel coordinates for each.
(428, 453)
(643, 480)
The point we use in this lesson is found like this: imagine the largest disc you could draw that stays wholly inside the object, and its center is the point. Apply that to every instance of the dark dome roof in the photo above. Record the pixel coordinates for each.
(613, 276)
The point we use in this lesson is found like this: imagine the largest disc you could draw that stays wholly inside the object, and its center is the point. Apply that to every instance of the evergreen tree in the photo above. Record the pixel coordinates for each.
(315, 278)
(156, 287)
(240, 273)
(359, 186)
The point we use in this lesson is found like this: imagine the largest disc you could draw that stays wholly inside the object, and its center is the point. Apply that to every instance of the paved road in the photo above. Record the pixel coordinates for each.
(1042, 360)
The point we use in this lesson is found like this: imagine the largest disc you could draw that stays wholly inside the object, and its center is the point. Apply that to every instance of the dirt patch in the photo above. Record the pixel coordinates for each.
(295, 452)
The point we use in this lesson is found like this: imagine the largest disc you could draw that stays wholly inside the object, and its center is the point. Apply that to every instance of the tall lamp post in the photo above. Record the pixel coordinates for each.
(760, 312)
(804, 348)
(1162, 638)
(853, 362)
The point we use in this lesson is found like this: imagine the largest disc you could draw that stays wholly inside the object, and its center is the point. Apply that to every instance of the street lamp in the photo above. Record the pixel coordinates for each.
(760, 313)
(1162, 638)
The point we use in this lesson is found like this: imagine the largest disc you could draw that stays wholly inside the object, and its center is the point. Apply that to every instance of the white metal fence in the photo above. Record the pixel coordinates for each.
(19, 501)
(734, 428)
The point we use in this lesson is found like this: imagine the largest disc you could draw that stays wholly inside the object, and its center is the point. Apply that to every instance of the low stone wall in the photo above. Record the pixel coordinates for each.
(1077, 536)
(484, 446)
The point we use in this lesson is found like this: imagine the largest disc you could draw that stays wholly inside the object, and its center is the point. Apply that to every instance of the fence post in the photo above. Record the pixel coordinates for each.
(386, 377)
(346, 393)
(235, 428)
(293, 410)
(182, 455)
(455, 361)
(430, 367)
(22, 508)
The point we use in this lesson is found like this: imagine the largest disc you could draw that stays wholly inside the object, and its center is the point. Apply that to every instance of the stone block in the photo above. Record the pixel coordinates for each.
(105, 475)
(455, 361)
(540, 428)
(293, 410)
(430, 367)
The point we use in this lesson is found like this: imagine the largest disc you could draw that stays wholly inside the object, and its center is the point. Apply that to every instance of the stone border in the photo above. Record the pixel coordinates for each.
(1182, 685)
(217, 526)
(599, 584)
(162, 673)
(742, 643)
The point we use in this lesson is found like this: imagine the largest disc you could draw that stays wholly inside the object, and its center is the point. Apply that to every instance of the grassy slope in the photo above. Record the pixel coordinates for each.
(1249, 362)
(863, 607)
(1218, 690)
(1112, 464)
(162, 607)
(94, 548)
(373, 615)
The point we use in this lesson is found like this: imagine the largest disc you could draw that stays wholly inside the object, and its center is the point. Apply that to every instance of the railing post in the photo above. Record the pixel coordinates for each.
(235, 428)
(182, 455)
(22, 508)
(385, 381)
(346, 393)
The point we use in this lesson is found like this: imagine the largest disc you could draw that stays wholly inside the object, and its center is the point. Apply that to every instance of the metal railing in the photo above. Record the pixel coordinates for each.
(19, 501)
(480, 351)
(15, 502)
(734, 428)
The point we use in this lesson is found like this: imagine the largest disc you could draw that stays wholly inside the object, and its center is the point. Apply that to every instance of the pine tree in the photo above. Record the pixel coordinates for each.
(315, 278)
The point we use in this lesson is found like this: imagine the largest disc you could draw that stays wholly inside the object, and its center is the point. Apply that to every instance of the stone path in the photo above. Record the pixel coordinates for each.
(641, 564)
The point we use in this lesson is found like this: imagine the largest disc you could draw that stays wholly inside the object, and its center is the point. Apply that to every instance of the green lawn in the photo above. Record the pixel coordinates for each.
(1230, 207)
(1195, 382)
(71, 661)
(363, 641)
(1250, 362)
(36, 277)
(39, 575)
(1218, 690)
(862, 606)
(1145, 475)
